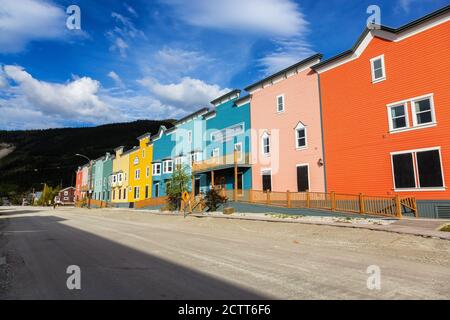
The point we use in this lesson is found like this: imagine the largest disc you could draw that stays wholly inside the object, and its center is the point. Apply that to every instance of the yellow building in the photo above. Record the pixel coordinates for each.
(140, 170)
(120, 177)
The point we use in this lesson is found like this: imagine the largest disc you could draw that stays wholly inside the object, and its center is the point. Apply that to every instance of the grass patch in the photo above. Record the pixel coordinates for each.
(285, 216)
(445, 228)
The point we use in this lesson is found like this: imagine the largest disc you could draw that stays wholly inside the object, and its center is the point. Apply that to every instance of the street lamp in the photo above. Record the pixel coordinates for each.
(90, 177)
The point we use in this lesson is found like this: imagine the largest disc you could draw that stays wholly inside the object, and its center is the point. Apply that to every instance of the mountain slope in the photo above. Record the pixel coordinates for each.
(29, 158)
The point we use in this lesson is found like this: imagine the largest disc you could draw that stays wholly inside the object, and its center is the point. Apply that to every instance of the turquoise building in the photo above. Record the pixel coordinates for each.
(102, 170)
(227, 128)
(162, 164)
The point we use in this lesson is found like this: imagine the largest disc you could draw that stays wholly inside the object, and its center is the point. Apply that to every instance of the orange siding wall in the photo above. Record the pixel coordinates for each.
(355, 119)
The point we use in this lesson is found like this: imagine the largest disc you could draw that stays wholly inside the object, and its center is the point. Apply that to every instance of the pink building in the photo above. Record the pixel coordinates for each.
(287, 148)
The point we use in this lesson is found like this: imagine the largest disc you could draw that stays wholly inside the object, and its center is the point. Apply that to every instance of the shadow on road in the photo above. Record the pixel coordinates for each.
(109, 270)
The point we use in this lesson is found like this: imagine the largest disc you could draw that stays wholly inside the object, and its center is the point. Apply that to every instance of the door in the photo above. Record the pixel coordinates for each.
(197, 186)
(240, 183)
(302, 178)
(157, 190)
(267, 180)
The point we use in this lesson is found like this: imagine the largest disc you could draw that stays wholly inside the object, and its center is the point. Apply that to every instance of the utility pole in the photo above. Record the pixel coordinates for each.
(90, 178)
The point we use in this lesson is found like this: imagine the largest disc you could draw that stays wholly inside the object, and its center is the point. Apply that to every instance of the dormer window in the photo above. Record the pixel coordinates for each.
(300, 136)
(378, 69)
(280, 103)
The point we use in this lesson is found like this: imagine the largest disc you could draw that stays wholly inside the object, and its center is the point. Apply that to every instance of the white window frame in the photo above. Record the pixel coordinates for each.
(298, 127)
(215, 153)
(155, 168)
(166, 166)
(263, 136)
(283, 103)
(391, 124)
(189, 136)
(137, 174)
(383, 65)
(416, 171)
(413, 110)
(119, 177)
(241, 152)
(179, 161)
(136, 192)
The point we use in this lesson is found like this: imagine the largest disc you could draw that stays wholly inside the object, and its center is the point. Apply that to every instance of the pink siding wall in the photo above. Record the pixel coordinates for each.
(302, 103)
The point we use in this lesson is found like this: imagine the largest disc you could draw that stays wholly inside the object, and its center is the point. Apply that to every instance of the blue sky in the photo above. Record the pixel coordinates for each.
(159, 59)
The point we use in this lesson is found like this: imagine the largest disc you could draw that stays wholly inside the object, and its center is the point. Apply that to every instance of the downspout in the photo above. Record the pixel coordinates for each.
(323, 136)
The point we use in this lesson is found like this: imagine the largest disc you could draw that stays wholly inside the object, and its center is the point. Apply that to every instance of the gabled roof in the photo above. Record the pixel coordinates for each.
(145, 135)
(192, 115)
(66, 189)
(243, 99)
(226, 95)
(286, 70)
(378, 30)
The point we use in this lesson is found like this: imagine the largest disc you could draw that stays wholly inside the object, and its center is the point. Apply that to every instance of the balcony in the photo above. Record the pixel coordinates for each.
(222, 162)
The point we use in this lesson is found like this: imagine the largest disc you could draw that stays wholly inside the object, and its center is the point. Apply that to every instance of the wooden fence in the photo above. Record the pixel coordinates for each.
(152, 202)
(351, 203)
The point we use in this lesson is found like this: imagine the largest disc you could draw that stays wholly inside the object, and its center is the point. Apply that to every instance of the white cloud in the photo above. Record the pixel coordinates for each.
(288, 53)
(122, 34)
(189, 94)
(116, 78)
(130, 9)
(77, 99)
(3, 82)
(24, 21)
(269, 17)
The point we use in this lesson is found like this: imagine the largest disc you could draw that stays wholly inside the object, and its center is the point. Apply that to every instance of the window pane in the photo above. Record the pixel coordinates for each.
(430, 172)
(423, 105)
(424, 117)
(377, 64)
(398, 111)
(378, 73)
(301, 142)
(403, 171)
(399, 123)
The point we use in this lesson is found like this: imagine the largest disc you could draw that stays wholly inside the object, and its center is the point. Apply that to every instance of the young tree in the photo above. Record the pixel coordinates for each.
(177, 185)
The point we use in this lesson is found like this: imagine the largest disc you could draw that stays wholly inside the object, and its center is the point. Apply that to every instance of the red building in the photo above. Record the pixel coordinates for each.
(67, 196)
(78, 184)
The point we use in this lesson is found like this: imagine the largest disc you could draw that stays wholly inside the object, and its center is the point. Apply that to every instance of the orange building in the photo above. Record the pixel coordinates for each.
(386, 114)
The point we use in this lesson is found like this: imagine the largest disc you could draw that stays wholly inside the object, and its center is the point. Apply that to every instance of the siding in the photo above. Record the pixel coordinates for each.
(355, 119)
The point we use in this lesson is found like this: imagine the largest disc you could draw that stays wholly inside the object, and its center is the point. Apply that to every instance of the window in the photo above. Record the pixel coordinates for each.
(168, 166)
(300, 136)
(178, 161)
(157, 169)
(423, 111)
(137, 174)
(189, 136)
(227, 133)
(215, 153)
(156, 190)
(120, 194)
(378, 69)
(398, 116)
(119, 178)
(66, 198)
(280, 103)
(125, 194)
(266, 143)
(420, 169)
(195, 157)
(136, 192)
(147, 172)
(266, 180)
(66, 193)
(114, 194)
(143, 153)
(146, 192)
(238, 149)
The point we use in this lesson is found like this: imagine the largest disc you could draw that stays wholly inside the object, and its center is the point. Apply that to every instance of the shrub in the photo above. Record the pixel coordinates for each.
(213, 199)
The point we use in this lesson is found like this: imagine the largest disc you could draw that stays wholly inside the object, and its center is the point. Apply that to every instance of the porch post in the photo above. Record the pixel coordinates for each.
(235, 176)
(193, 187)
(212, 179)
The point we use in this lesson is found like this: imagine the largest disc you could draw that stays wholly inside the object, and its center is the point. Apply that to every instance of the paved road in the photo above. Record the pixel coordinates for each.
(125, 255)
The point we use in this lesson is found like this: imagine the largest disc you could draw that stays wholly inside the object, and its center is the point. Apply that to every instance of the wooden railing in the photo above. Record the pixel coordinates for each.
(351, 203)
(214, 162)
(151, 202)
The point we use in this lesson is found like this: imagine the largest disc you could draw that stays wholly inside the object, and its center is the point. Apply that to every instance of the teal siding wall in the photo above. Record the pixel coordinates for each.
(163, 149)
